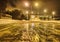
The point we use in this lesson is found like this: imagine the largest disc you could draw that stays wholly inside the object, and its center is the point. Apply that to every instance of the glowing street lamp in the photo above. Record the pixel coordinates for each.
(45, 10)
(36, 4)
(26, 4)
(27, 12)
(53, 13)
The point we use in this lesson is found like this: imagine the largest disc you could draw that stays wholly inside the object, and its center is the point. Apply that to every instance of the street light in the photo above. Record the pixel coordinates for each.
(27, 12)
(26, 4)
(45, 10)
(36, 4)
(53, 13)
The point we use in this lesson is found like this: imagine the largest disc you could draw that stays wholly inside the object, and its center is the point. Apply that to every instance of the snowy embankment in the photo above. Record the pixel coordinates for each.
(7, 21)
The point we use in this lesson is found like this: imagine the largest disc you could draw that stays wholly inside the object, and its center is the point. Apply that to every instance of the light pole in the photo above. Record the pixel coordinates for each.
(37, 7)
(26, 5)
(45, 12)
(53, 14)
(27, 13)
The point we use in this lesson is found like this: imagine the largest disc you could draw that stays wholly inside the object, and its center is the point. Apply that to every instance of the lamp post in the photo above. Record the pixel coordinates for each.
(45, 12)
(27, 5)
(53, 14)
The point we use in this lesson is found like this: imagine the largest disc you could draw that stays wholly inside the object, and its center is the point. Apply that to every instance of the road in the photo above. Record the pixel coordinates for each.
(16, 30)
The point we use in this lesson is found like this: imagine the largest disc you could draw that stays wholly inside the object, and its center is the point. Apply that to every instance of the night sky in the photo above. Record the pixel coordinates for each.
(54, 4)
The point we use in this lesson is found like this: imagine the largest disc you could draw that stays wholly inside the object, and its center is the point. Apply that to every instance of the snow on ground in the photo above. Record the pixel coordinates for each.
(6, 21)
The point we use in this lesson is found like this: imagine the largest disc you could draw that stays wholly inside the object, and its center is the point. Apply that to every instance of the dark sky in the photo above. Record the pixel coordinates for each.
(48, 3)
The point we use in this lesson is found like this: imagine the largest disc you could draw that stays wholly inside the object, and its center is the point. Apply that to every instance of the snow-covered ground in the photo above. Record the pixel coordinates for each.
(6, 21)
